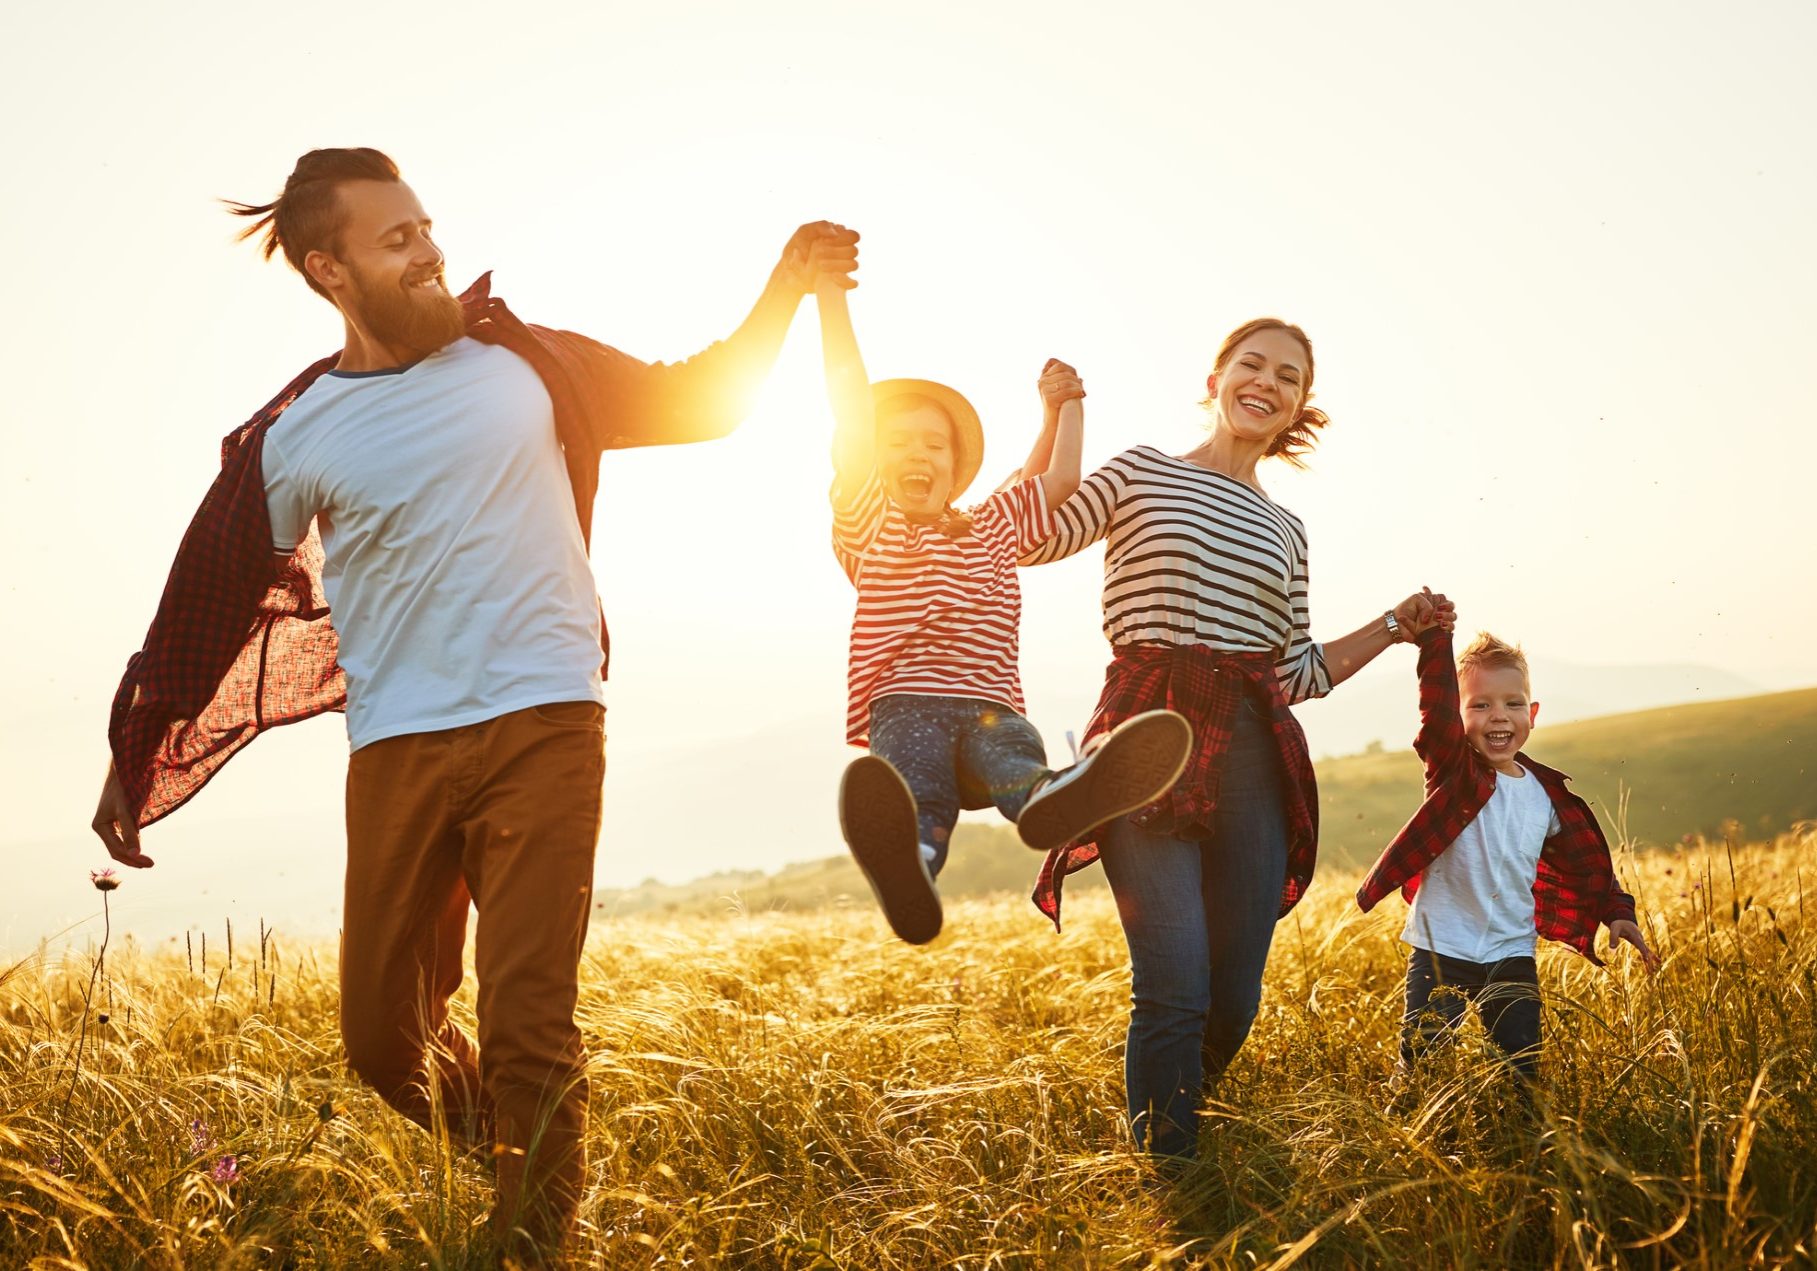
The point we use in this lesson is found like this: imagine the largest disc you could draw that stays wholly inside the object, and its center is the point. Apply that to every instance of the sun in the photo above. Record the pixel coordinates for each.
(782, 450)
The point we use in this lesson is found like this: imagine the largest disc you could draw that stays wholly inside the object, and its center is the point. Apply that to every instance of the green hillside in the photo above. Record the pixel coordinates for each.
(1687, 770)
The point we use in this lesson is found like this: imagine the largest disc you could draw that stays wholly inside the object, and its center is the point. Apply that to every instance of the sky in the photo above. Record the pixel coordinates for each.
(1555, 260)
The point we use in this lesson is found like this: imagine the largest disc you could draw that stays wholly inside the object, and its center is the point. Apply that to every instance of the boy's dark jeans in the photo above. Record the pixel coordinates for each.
(1506, 994)
(957, 752)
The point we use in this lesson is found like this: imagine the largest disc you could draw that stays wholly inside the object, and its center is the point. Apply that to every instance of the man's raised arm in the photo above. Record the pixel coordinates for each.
(708, 395)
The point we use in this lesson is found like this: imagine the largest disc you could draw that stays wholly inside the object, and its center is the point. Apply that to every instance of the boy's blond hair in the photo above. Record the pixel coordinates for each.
(1490, 653)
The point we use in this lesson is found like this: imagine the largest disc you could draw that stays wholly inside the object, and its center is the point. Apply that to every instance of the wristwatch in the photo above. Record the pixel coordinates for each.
(1394, 627)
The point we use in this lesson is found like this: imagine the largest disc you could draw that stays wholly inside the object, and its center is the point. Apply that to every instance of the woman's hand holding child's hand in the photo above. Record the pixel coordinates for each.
(1424, 610)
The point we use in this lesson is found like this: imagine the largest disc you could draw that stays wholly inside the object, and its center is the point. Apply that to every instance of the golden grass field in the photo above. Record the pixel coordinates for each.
(799, 1091)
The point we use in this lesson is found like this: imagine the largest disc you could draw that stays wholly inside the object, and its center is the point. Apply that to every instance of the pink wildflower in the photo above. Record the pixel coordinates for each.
(226, 1170)
(201, 1138)
(103, 879)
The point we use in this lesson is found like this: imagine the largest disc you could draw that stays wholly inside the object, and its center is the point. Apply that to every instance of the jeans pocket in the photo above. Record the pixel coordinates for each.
(577, 716)
(1252, 765)
(1258, 711)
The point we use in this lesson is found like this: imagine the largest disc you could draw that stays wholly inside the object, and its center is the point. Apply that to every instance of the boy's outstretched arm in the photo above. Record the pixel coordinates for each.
(1627, 930)
(1441, 733)
(848, 389)
(1621, 921)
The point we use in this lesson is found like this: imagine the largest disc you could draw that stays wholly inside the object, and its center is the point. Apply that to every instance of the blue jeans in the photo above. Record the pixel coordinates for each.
(1506, 994)
(957, 752)
(1199, 917)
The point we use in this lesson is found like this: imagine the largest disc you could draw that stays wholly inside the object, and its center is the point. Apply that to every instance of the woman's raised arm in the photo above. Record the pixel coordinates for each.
(1421, 611)
(1083, 519)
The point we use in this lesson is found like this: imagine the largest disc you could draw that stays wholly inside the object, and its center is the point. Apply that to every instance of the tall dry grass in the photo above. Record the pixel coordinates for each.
(799, 1091)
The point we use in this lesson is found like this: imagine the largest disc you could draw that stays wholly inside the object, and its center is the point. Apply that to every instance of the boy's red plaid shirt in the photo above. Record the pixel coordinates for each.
(1576, 890)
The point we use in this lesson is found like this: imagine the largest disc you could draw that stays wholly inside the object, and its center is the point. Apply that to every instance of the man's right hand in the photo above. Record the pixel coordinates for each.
(118, 825)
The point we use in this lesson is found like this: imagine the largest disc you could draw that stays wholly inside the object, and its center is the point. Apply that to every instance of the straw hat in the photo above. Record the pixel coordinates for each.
(968, 433)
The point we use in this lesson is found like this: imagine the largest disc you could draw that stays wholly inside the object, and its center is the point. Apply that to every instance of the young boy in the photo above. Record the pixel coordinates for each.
(1499, 854)
(933, 687)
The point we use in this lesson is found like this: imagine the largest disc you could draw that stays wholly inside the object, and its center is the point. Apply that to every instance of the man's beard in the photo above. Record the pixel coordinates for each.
(410, 320)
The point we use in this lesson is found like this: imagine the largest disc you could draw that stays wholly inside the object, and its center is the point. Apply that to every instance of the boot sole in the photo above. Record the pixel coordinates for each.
(877, 817)
(1137, 764)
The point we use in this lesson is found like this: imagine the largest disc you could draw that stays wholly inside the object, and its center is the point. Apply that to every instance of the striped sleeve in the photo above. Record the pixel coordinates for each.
(858, 519)
(1024, 506)
(1084, 518)
(1302, 668)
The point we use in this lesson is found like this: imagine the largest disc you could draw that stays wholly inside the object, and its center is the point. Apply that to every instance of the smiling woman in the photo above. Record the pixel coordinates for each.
(1206, 603)
(1264, 367)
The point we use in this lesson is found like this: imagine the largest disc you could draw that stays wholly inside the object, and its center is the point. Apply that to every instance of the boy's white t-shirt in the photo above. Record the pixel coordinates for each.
(1475, 902)
(456, 576)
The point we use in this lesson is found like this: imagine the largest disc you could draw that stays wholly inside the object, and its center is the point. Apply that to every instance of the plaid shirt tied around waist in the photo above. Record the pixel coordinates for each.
(1575, 891)
(1207, 686)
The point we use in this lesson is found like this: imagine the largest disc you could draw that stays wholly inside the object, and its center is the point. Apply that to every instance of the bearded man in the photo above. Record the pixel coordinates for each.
(402, 534)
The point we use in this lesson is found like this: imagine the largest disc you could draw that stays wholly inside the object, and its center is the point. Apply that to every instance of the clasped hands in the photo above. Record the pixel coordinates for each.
(818, 252)
(1059, 383)
(1424, 610)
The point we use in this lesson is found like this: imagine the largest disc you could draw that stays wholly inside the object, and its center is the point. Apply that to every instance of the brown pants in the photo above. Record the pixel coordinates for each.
(506, 814)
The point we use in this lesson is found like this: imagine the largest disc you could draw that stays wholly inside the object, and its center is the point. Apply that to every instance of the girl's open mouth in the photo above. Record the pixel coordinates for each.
(916, 486)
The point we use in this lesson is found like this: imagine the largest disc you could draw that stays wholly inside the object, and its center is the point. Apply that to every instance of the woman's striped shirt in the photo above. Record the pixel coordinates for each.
(935, 614)
(1194, 557)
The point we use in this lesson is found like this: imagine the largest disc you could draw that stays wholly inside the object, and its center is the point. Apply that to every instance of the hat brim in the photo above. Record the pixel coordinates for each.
(968, 430)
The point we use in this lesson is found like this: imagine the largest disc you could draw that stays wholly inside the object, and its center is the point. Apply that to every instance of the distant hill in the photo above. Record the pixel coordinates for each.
(1687, 769)
(1378, 705)
(987, 858)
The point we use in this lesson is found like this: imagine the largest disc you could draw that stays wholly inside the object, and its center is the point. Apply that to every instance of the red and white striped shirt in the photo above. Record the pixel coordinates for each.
(935, 614)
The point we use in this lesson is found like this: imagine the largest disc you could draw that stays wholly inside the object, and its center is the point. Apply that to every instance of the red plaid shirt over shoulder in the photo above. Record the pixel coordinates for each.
(1207, 686)
(242, 641)
(1575, 891)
